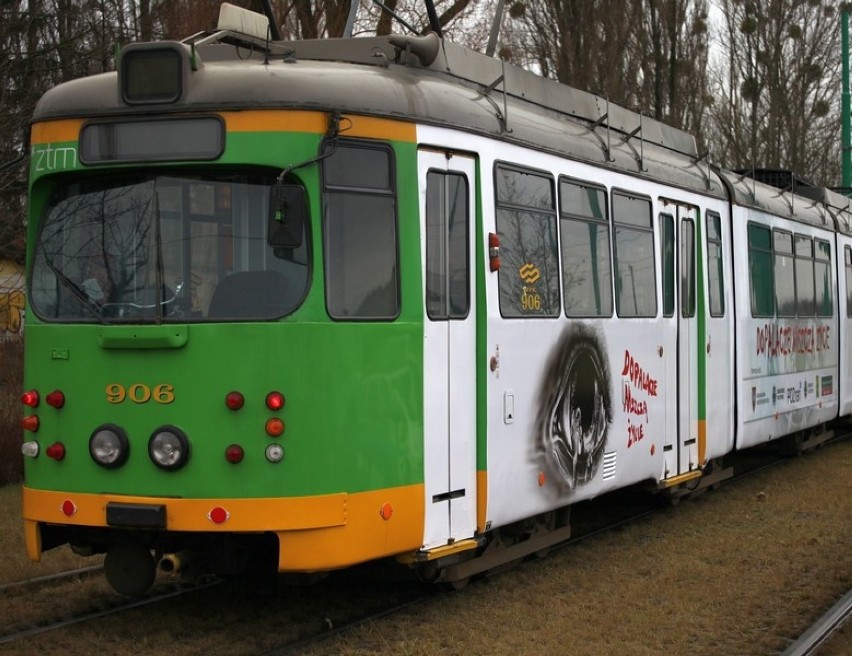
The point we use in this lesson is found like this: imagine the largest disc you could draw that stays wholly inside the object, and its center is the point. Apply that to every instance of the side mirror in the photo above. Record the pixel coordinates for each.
(288, 211)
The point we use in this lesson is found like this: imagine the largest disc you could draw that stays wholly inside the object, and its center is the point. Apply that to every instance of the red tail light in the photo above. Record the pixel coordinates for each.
(493, 251)
(234, 454)
(234, 400)
(56, 399)
(275, 400)
(30, 423)
(56, 451)
(30, 398)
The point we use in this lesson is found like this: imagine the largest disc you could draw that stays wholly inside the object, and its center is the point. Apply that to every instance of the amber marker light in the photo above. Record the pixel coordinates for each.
(30, 423)
(30, 398)
(275, 400)
(55, 451)
(234, 400)
(56, 399)
(274, 427)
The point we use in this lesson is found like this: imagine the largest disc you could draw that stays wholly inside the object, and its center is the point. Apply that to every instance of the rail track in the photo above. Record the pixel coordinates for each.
(822, 630)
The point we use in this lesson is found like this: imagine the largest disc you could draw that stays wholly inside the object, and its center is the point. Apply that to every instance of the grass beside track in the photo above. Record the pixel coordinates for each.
(742, 570)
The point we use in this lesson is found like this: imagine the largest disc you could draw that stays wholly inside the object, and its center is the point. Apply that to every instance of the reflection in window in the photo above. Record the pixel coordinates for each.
(635, 289)
(848, 258)
(822, 275)
(785, 285)
(447, 278)
(359, 230)
(687, 269)
(134, 248)
(760, 271)
(526, 223)
(804, 276)
(586, 268)
(667, 240)
(715, 272)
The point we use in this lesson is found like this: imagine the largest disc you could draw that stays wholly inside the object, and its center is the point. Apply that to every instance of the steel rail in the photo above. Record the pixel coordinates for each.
(811, 640)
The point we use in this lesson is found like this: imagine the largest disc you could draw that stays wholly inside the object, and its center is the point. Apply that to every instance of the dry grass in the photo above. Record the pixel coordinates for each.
(739, 571)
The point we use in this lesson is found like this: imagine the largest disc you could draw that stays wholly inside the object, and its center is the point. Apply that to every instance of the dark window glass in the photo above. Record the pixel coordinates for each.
(151, 76)
(359, 230)
(715, 270)
(526, 223)
(586, 267)
(667, 239)
(805, 300)
(760, 271)
(822, 275)
(785, 284)
(635, 288)
(447, 229)
(160, 140)
(687, 269)
(848, 257)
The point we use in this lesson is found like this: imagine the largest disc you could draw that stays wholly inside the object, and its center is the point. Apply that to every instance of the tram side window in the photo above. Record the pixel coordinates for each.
(822, 274)
(635, 288)
(715, 271)
(526, 224)
(760, 271)
(785, 283)
(804, 276)
(586, 267)
(447, 266)
(359, 233)
(667, 249)
(848, 258)
(687, 269)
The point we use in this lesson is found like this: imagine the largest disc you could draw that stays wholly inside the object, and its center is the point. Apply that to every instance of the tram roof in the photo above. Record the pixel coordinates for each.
(421, 79)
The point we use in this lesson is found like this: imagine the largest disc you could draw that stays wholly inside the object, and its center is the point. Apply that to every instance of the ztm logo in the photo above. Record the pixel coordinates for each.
(529, 273)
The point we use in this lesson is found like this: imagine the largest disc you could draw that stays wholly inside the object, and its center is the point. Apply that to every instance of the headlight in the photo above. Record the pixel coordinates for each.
(108, 446)
(168, 448)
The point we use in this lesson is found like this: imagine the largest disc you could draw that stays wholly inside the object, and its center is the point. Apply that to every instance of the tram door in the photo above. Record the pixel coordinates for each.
(447, 220)
(678, 226)
(687, 337)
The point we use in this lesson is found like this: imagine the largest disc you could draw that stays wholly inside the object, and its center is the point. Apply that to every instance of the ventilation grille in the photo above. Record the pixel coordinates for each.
(609, 465)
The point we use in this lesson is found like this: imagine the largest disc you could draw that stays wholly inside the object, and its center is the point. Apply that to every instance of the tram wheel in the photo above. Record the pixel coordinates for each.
(130, 569)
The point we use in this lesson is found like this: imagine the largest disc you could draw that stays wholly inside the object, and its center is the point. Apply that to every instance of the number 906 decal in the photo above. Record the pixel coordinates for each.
(140, 393)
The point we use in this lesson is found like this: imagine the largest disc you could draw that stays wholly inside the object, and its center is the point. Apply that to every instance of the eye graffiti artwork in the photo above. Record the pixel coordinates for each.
(575, 409)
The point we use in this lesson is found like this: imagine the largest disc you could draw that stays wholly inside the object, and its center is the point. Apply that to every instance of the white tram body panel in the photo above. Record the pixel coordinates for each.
(631, 386)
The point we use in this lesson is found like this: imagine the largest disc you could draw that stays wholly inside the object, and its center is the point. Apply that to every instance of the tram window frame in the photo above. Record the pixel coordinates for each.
(667, 254)
(760, 261)
(784, 279)
(629, 222)
(715, 264)
(824, 299)
(350, 195)
(583, 215)
(521, 280)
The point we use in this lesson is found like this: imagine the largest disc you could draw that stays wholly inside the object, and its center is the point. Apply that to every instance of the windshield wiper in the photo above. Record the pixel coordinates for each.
(75, 289)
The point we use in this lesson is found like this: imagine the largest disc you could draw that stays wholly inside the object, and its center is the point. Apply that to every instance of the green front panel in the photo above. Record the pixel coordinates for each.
(354, 409)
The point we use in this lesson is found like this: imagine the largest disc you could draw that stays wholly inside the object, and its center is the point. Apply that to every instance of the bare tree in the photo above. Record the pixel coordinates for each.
(779, 87)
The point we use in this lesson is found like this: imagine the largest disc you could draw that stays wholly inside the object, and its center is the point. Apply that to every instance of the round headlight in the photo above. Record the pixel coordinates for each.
(108, 446)
(168, 448)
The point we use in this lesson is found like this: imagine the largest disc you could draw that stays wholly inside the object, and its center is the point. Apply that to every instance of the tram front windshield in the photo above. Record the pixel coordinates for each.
(164, 249)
